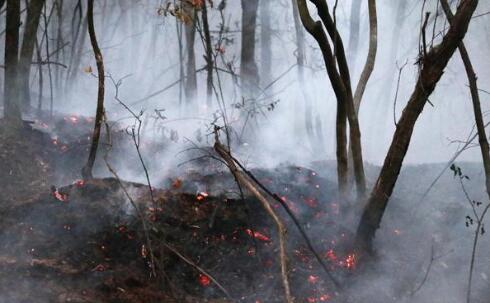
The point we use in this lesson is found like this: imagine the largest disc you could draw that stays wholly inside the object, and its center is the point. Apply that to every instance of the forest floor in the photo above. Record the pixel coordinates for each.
(202, 241)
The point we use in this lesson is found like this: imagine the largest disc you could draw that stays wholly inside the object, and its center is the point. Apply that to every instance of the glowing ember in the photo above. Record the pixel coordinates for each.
(79, 183)
(204, 280)
(322, 298)
(201, 196)
(100, 267)
(59, 196)
(311, 202)
(331, 255)
(350, 261)
(177, 183)
(312, 279)
(257, 235)
(144, 251)
(251, 251)
(72, 119)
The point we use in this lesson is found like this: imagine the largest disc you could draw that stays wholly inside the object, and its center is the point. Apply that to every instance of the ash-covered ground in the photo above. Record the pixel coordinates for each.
(66, 240)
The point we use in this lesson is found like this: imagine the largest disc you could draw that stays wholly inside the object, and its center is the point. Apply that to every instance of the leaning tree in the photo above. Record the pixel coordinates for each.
(432, 63)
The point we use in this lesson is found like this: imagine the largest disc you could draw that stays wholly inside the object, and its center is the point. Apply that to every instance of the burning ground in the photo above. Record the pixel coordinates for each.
(65, 240)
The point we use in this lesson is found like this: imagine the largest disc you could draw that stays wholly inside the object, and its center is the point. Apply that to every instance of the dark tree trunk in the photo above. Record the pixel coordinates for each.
(12, 113)
(208, 56)
(190, 38)
(475, 98)
(87, 169)
(74, 69)
(317, 145)
(432, 67)
(248, 67)
(265, 42)
(340, 80)
(355, 24)
(34, 10)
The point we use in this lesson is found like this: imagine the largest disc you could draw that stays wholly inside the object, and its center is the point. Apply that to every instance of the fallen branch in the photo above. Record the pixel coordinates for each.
(243, 179)
(293, 217)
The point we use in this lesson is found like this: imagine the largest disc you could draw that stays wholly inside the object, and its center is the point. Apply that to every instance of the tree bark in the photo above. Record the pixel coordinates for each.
(209, 56)
(87, 169)
(371, 57)
(248, 67)
(355, 24)
(300, 60)
(432, 67)
(28, 42)
(74, 69)
(190, 38)
(12, 113)
(340, 80)
(475, 98)
(265, 42)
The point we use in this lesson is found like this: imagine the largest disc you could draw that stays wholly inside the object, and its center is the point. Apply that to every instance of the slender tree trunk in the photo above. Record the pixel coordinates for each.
(190, 38)
(41, 79)
(300, 60)
(371, 57)
(77, 57)
(12, 113)
(87, 169)
(355, 24)
(475, 98)
(340, 80)
(34, 10)
(432, 67)
(385, 93)
(248, 66)
(59, 42)
(265, 42)
(208, 56)
(482, 136)
(316, 30)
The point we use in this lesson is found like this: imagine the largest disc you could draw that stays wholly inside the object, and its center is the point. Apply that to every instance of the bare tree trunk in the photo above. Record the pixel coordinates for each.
(248, 66)
(475, 98)
(385, 93)
(74, 69)
(480, 126)
(265, 42)
(34, 9)
(209, 55)
(340, 80)
(432, 67)
(190, 37)
(12, 113)
(355, 24)
(59, 41)
(87, 169)
(371, 58)
(300, 60)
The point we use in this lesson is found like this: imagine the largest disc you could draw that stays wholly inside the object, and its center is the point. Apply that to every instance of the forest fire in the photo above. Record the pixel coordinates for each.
(257, 235)
(204, 280)
(231, 151)
(201, 196)
(59, 196)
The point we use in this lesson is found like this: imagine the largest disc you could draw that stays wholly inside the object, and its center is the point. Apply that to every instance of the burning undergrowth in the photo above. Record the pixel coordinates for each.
(85, 242)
